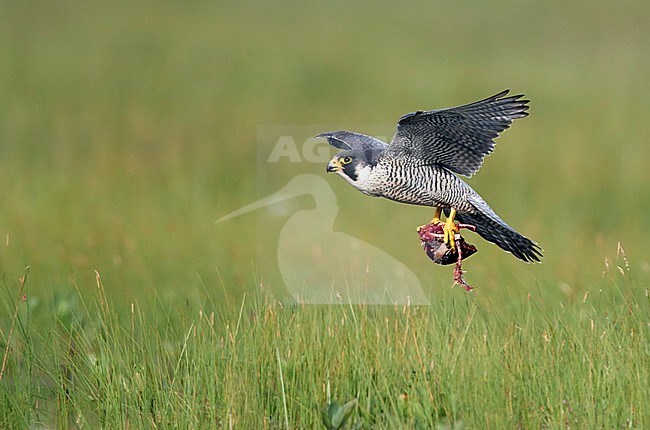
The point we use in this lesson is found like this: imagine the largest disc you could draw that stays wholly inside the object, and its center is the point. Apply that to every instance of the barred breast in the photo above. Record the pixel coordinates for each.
(409, 183)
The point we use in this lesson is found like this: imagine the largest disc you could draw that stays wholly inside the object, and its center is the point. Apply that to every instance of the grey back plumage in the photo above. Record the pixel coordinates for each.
(457, 138)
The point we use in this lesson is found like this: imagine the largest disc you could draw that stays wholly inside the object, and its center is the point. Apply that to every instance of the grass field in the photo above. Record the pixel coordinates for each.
(457, 363)
(128, 129)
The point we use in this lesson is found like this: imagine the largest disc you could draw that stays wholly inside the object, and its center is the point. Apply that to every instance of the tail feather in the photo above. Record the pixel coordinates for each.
(502, 235)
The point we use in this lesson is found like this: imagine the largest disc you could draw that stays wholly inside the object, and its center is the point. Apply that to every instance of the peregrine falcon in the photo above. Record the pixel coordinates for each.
(420, 166)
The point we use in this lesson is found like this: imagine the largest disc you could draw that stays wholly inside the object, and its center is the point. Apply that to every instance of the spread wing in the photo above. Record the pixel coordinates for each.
(457, 138)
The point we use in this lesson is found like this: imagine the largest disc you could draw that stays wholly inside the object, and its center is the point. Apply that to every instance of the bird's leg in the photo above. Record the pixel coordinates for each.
(450, 229)
(436, 216)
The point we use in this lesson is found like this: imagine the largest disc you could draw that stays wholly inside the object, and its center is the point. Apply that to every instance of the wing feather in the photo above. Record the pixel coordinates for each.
(457, 138)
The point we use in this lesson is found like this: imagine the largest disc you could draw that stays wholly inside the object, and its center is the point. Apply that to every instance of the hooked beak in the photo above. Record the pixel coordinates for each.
(334, 165)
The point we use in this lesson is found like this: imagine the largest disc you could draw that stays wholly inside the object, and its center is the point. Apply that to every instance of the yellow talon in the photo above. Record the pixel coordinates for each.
(436, 216)
(450, 229)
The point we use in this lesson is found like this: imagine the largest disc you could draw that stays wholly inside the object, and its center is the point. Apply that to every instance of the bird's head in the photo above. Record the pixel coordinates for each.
(350, 164)
(359, 155)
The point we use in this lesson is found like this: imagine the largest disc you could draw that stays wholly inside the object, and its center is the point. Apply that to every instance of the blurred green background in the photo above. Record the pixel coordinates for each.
(128, 128)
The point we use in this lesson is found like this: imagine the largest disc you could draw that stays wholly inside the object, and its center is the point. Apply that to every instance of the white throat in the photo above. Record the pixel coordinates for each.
(363, 182)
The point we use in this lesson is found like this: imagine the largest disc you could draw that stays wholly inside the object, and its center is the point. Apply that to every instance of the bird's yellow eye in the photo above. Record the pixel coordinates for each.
(346, 160)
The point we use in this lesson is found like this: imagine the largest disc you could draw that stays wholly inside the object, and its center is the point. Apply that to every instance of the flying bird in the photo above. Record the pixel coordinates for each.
(422, 163)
